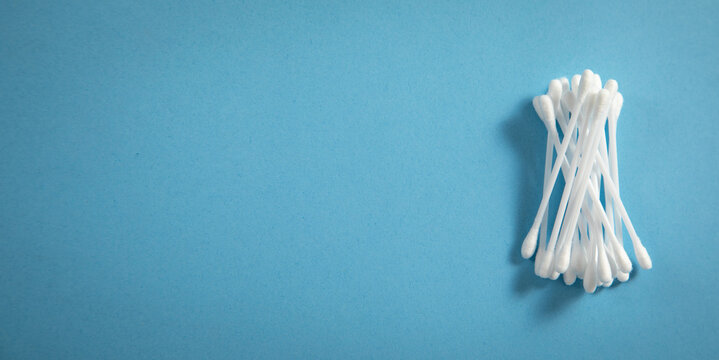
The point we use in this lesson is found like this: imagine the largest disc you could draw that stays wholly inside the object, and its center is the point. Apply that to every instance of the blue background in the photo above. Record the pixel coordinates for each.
(340, 180)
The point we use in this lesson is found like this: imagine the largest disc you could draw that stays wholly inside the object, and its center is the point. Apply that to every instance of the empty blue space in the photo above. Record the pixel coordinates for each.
(341, 180)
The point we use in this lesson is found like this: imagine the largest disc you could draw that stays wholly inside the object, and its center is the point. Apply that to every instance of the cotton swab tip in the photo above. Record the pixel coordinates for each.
(590, 280)
(561, 262)
(604, 271)
(530, 243)
(555, 90)
(603, 101)
(569, 277)
(622, 259)
(585, 83)
(611, 85)
(545, 267)
(643, 257)
(547, 107)
(537, 108)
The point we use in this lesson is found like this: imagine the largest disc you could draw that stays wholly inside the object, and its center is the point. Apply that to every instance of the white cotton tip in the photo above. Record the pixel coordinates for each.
(585, 83)
(575, 82)
(602, 102)
(590, 250)
(622, 259)
(537, 108)
(555, 90)
(539, 265)
(616, 107)
(545, 269)
(643, 257)
(561, 261)
(565, 84)
(547, 107)
(590, 279)
(597, 83)
(569, 277)
(604, 270)
(530, 243)
(611, 85)
(579, 260)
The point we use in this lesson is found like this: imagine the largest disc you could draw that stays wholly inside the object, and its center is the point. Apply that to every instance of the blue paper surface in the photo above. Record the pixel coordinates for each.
(284, 180)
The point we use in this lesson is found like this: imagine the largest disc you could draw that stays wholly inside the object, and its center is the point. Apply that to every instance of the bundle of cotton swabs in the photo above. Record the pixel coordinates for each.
(586, 237)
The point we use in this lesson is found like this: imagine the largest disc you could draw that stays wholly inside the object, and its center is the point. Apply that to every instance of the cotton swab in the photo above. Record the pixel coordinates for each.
(586, 237)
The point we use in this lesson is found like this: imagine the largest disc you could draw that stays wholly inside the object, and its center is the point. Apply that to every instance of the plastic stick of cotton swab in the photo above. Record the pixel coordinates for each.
(605, 156)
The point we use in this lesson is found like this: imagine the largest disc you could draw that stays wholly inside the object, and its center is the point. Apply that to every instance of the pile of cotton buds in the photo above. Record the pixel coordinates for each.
(586, 238)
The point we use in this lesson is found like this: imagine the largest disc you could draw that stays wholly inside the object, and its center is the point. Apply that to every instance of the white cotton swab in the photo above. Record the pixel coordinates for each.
(547, 171)
(622, 276)
(585, 241)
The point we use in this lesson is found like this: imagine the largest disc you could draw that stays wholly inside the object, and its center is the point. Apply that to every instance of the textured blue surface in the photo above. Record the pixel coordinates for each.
(314, 180)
